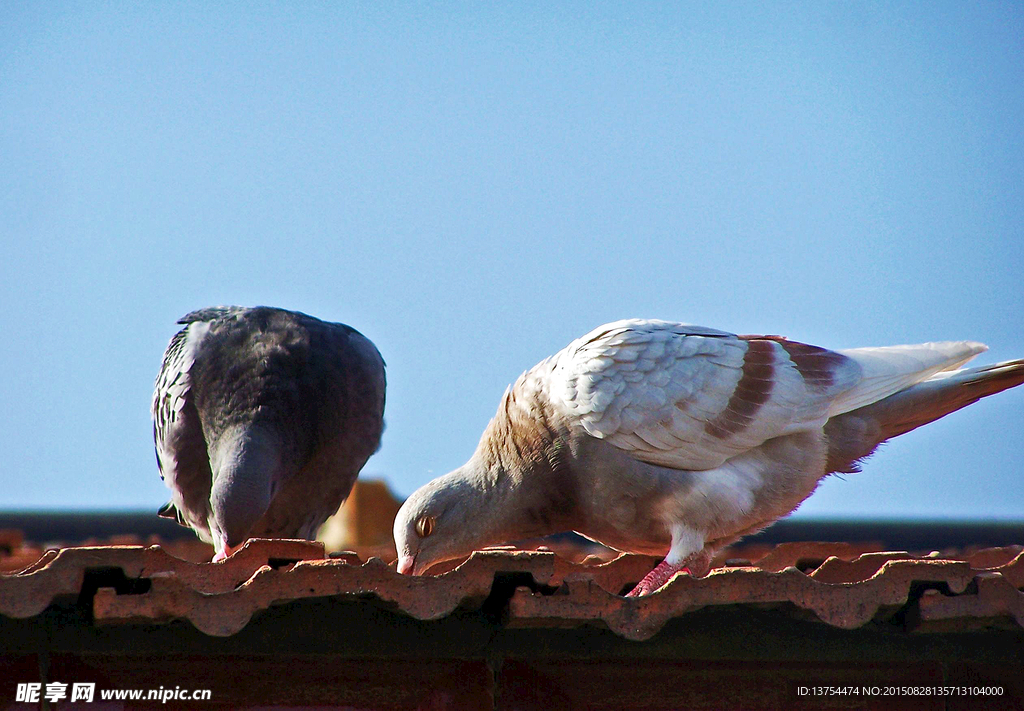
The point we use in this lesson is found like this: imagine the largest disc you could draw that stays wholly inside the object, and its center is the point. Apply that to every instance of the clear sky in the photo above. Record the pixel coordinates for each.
(474, 185)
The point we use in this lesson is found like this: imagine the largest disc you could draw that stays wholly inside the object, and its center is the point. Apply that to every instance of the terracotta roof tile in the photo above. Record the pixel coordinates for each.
(994, 597)
(541, 624)
(836, 583)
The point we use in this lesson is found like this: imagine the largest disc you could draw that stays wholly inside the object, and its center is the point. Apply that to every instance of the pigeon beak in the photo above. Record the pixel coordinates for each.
(406, 565)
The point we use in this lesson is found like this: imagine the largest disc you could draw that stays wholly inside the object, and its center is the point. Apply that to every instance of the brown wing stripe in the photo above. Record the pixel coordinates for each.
(816, 365)
(752, 391)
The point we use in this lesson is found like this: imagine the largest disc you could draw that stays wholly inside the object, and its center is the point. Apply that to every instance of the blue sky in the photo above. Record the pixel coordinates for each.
(474, 185)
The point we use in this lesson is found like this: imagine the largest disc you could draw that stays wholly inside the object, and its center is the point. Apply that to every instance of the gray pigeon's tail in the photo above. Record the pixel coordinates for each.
(169, 510)
(854, 435)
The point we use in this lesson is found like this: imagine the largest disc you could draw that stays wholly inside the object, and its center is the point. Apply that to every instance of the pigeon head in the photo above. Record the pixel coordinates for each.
(445, 519)
(510, 489)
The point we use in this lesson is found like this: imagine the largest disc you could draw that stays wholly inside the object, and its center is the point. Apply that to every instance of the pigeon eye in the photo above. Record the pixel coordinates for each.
(425, 526)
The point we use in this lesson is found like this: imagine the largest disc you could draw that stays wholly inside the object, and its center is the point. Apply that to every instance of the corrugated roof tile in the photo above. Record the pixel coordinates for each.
(848, 604)
(837, 583)
(62, 572)
(994, 597)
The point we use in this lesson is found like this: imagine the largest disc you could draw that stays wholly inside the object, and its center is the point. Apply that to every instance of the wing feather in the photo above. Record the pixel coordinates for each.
(689, 397)
(177, 431)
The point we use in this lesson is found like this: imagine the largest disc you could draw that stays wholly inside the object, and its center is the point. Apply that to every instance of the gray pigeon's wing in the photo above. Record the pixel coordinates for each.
(177, 433)
(344, 387)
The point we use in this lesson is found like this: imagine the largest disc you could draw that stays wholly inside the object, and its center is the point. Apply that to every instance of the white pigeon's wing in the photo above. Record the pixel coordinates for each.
(688, 397)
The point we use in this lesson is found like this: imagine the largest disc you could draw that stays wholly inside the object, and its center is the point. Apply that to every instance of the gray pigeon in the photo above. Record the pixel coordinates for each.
(262, 420)
(675, 440)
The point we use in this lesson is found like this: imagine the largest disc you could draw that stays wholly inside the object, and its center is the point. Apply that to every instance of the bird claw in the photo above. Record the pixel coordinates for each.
(657, 578)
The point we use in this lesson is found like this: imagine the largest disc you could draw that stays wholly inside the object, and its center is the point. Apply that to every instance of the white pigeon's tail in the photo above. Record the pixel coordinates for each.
(890, 369)
(856, 434)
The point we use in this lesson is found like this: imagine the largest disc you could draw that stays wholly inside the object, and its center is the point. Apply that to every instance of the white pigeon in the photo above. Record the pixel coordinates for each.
(676, 440)
(262, 420)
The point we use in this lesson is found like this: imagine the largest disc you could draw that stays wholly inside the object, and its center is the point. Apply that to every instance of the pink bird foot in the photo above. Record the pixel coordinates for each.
(696, 565)
(661, 574)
